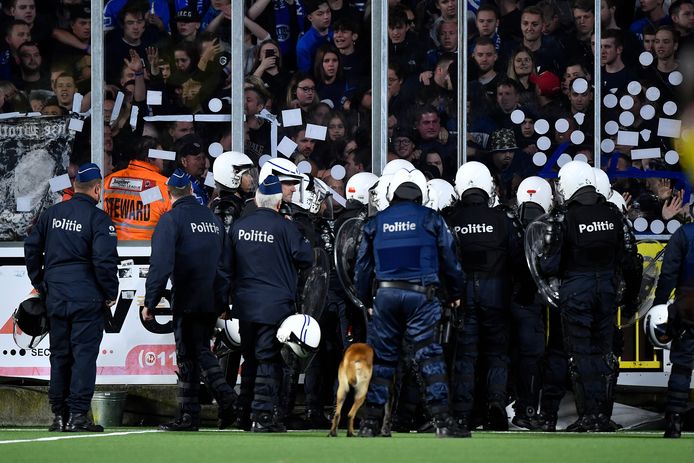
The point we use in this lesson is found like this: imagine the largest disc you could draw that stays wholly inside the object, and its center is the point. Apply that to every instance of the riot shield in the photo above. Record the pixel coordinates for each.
(649, 281)
(314, 285)
(535, 247)
(347, 242)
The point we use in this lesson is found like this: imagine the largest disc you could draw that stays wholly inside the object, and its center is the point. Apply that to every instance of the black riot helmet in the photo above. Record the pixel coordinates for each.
(30, 322)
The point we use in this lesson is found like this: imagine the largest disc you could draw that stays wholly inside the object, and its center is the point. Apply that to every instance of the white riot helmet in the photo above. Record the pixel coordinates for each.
(379, 197)
(283, 168)
(229, 167)
(441, 194)
(618, 200)
(229, 332)
(573, 176)
(655, 326)
(301, 333)
(312, 194)
(358, 186)
(602, 183)
(474, 175)
(395, 165)
(535, 190)
(415, 177)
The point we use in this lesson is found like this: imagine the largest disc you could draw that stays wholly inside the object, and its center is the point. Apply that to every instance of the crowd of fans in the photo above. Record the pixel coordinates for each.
(315, 56)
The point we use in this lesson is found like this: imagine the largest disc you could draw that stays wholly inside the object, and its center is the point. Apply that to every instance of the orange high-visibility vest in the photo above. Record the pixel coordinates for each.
(133, 219)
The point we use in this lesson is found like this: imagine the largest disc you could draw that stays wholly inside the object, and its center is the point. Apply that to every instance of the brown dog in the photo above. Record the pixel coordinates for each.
(355, 371)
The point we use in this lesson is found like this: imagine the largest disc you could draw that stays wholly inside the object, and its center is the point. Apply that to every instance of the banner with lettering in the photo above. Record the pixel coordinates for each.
(133, 351)
(34, 155)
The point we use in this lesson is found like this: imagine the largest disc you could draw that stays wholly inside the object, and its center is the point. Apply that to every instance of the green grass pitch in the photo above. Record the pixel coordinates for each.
(139, 445)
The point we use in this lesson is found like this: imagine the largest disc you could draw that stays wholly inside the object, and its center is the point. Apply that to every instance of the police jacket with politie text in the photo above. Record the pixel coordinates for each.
(187, 245)
(71, 252)
(266, 250)
(407, 242)
(588, 236)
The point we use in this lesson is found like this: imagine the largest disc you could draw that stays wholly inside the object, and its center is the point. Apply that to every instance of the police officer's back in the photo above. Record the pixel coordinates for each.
(266, 250)
(489, 248)
(585, 249)
(406, 246)
(71, 259)
(188, 246)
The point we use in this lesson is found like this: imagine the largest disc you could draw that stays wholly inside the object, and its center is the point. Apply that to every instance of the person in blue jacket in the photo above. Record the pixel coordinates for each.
(266, 250)
(187, 246)
(407, 245)
(678, 273)
(72, 262)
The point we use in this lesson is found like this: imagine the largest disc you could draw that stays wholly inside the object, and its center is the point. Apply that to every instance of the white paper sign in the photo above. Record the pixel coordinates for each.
(151, 195)
(76, 124)
(627, 138)
(287, 146)
(24, 204)
(291, 117)
(646, 153)
(61, 182)
(669, 127)
(153, 97)
(162, 154)
(316, 132)
(209, 180)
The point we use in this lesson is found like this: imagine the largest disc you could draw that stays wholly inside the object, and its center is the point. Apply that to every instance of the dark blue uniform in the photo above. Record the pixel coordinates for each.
(71, 259)
(678, 273)
(587, 250)
(404, 246)
(187, 246)
(489, 247)
(266, 250)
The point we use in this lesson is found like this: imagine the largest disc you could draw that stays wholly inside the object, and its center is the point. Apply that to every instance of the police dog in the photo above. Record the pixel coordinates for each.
(355, 371)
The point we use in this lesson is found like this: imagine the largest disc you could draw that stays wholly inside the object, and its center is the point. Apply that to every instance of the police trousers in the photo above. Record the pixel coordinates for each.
(588, 313)
(76, 330)
(682, 358)
(192, 333)
(260, 345)
(399, 313)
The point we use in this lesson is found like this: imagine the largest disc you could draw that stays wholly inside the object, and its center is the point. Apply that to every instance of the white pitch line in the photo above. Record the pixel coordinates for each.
(77, 436)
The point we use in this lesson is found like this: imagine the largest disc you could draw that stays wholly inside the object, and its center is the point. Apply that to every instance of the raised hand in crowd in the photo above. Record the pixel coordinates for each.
(153, 58)
(674, 206)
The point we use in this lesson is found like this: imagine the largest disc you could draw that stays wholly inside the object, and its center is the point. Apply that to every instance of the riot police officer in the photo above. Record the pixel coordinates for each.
(404, 246)
(534, 198)
(677, 273)
(187, 246)
(585, 248)
(235, 178)
(264, 294)
(72, 261)
(489, 248)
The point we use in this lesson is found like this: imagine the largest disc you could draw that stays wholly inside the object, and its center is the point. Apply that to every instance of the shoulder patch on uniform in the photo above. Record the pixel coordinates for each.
(126, 183)
(112, 230)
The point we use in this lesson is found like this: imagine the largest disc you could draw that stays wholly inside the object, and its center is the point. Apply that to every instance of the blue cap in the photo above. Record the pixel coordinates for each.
(270, 186)
(179, 179)
(88, 172)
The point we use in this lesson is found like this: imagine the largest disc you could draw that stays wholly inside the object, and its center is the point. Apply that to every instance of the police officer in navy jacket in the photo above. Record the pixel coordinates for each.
(187, 246)
(266, 250)
(72, 261)
(406, 246)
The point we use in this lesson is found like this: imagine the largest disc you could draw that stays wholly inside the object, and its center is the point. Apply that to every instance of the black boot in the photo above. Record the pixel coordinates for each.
(369, 427)
(58, 424)
(227, 417)
(497, 419)
(525, 418)
(79, 422)
(316, 420)
(586, 423)
(267, 422)
(673, 425)
(546, 422)
(447, 427)
(185, 423)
